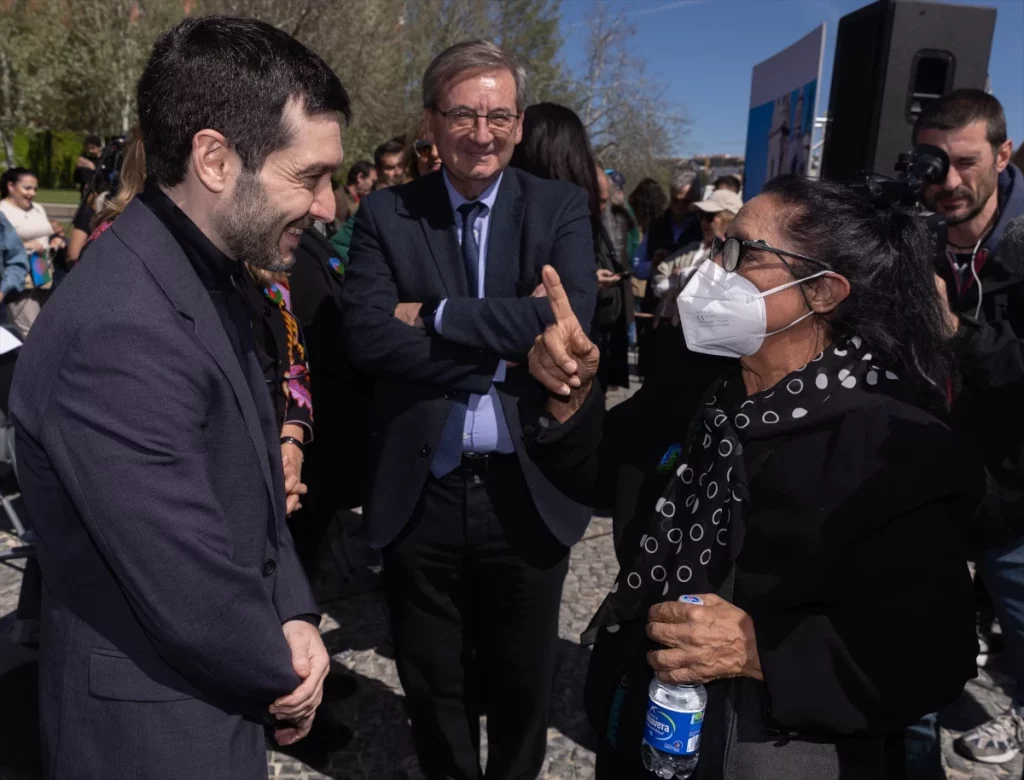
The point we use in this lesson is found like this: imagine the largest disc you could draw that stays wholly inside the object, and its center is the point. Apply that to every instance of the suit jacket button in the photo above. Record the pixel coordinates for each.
(425, 450)
(449, 395)
(266, 311)
(269, 567)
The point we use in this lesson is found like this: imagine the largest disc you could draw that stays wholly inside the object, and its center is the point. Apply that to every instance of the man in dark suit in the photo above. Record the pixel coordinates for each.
(439, 311)
(176, 617)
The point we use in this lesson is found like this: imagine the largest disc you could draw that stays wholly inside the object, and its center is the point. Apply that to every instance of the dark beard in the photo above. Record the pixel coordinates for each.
(985, 192)
(251, 227)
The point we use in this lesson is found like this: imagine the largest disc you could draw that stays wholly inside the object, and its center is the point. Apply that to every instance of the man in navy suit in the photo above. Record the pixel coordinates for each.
(439, 311)
(176, 618)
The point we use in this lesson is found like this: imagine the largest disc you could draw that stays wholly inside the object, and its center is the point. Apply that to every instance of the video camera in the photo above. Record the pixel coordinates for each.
(924, 166)
(107, 177)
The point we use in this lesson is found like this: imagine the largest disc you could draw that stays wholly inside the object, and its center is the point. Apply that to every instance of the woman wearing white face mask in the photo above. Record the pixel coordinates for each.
(803, 488)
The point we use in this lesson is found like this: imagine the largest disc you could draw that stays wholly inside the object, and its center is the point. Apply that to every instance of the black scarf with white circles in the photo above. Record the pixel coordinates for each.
(697, 529)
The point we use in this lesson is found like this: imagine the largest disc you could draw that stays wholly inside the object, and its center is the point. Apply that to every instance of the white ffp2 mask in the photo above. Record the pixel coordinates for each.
(723, 313)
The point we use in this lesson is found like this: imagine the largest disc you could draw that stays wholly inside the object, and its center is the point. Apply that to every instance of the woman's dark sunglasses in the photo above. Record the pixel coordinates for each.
(422, 148)
(731, 250)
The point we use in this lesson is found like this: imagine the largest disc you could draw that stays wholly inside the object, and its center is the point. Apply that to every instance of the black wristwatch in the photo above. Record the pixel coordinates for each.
(428, 313)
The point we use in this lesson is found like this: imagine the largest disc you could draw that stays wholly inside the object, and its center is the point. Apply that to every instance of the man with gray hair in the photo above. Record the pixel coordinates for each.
(677, 228)
(439, 312)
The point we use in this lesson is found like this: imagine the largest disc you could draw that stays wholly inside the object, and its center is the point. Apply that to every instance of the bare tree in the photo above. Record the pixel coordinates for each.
(106, 47)
(29, 33)
(75, 64)
(630, 121)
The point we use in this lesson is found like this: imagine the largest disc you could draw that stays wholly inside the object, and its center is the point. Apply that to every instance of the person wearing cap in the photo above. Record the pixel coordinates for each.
(619, 217)
(674, 230)
(716, 212)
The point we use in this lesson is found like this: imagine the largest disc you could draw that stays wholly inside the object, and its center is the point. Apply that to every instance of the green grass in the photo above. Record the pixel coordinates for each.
(58, 196)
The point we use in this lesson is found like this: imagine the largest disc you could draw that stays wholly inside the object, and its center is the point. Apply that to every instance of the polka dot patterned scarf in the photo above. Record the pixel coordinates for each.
(697, 528)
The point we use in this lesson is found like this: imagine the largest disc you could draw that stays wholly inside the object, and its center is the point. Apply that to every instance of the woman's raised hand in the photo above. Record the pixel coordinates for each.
(563, 359)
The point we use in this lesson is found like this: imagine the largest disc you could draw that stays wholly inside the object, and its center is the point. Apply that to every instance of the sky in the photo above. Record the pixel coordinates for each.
(704, 51)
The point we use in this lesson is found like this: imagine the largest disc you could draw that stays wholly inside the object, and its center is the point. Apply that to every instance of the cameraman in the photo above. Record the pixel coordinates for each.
(983, 278)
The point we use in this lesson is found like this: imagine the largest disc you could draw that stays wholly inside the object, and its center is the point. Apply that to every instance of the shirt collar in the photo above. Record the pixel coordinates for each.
(487, 197)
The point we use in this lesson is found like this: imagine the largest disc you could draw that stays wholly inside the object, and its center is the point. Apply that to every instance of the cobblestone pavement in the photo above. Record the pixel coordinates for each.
(356, 633)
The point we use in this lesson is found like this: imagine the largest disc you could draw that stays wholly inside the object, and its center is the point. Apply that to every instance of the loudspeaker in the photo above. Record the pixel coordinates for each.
(892, 58)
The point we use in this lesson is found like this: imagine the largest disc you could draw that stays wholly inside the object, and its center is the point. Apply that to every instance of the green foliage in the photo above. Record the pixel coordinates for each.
(74, 64)
(50, 155)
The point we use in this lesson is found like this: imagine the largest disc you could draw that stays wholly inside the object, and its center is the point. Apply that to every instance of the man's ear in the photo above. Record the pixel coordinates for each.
(825, 293)
(212, 160)
(1003, 155)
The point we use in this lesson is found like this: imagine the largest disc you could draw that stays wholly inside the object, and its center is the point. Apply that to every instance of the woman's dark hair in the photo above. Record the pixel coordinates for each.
(235, 76)
(12, 176)
(555, 146)
(962, 107)
(887, 255)
(648, 201)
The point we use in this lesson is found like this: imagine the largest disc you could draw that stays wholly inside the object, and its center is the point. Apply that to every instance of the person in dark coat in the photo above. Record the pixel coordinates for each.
(335, 470)
(982, 272)
(440, 312)
(808, 494)
(678, 227)
(177, 622)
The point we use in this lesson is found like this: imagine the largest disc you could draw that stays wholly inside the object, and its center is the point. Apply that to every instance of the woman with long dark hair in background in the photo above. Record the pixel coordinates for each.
(555, 146)
(804, 492)
(648, 201)
(420, 156)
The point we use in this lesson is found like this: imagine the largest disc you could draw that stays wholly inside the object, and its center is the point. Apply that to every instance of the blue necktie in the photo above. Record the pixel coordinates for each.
(449, 448)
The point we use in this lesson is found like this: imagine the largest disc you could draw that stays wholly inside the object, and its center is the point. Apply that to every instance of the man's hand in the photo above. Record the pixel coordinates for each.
(311, 663)
(292, 734)
(606, 278)
(562, 358)
(703, 643)
(291, 460)
(409, 313)
(951, 319)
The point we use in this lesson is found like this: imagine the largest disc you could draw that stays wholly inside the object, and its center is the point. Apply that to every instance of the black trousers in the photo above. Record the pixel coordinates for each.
(474, 584)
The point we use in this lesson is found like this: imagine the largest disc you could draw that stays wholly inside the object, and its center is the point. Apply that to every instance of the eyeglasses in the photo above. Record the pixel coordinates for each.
(732, 248)
(423, 148)
(461, 118)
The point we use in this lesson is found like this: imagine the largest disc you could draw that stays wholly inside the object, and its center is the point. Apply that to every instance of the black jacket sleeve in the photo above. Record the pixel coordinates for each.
(581, 457)
(894, 638)
(385, 347)
(508, 326)
(991, 359)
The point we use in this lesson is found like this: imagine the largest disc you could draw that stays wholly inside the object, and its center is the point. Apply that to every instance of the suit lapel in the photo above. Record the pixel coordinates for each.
(438, 223)
(146, 235)
(504, 232)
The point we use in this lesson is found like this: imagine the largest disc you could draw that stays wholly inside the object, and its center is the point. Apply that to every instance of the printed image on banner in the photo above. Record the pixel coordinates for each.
(783, 100)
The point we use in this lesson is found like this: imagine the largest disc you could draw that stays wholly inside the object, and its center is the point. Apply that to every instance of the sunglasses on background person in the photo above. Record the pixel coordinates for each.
(422, 149)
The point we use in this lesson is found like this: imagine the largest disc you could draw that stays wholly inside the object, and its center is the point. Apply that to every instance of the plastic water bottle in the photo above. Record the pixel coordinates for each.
(675, 716)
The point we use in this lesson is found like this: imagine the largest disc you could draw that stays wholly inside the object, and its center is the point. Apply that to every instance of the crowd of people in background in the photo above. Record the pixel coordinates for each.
(830, 406)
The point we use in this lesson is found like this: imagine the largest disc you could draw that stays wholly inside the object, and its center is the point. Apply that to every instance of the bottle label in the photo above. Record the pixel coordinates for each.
(673, 732)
